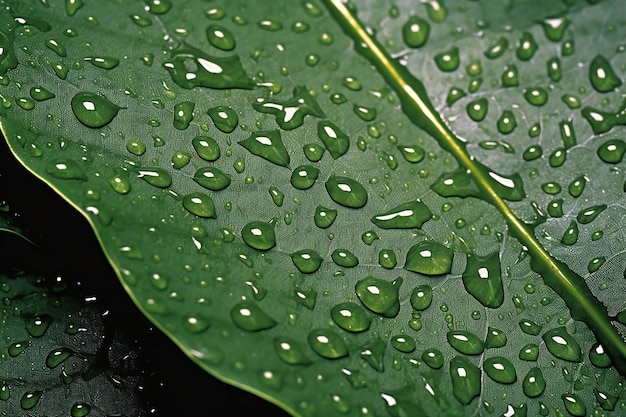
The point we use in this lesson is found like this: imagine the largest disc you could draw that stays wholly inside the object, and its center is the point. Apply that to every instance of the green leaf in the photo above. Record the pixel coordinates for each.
(463, 233)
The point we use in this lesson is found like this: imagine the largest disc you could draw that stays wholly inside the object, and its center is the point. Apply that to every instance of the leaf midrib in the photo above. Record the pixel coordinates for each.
(416, 105)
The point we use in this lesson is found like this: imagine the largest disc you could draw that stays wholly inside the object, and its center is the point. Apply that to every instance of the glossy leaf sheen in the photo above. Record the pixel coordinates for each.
(469, 158)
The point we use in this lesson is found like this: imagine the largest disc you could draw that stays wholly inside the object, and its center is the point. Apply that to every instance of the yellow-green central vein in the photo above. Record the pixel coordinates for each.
(415, 103)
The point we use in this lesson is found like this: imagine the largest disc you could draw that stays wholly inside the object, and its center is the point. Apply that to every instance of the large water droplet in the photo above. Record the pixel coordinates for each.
(327, 344)
(465, 342)
(465, 379)
(589, 214)
(497, 49)
(290, 113)
(335, 140)
(433, 358)
(183, 114)
(346, 191)
(249, 316)
(534, 384)
(324, 217)
(155, 176)
(599, 357)
(206, 147)
(529, 352)
(224, 118)
(612, 151)
(220, 37)
(537, 96)
(259, 235)
(415, 32)
(66, 169)
(344, 258)
(350, 317)
(477, 109)
(304, 177)
(212, 178)
(57, 357)
(387, 258)
(92, 110)
(421, 297)
(482, 278)
(602, 76)
(268, 145)
(307, 260)
(30, 399)
(290, 352)
(448, 60)
(507, 122)
(574, 404)
(403, 343)
(570, 236)
(36, 326)
(495, 338)
(527, 47)
(41, 94)
(429, 258)
(606, 400)
(412, 214)
(562, 345)
(379, 296)
(500, 370)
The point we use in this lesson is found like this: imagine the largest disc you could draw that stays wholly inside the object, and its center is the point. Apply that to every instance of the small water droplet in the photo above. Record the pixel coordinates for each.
(224, 118)
(465, 379)
(482, 278)
(212, 178)
(350, 317)
(249, 316)
(477, 109)
(102, 62)
(449, 60)
(507, 122)
(602, 76)
(277, 196)
(574, 404)
(571, 101)
(421, 297)
(534, 384)
(290, 352)
(465, 342)
(80, 410)
(259, 235)
(327, 343)
(57, 357)
(324, 217)
(344, 258)
(529, 352)
(379, 296)
(183, 114)
(268, 145)
(304, 177)
(599, 357)
(454, 95)
(387, 259)
(433, 358)
(346, 191)
(352, 83)
(612, 151)
(30, 399)
(17, 348)
(67, 169)
(500, 370)
(532, 152)
(527, 47)
(562, 345)
(530, 327)
(537, 96)
(557, 157)
(335, 140)
(307, 260)
(403, 343)
(605, 400)
(41, 94)
(497, 49)
(220, 37)
(155, 176)
(415, 32)
(200, 204)
(429, 258)
(206, 148)
(412, 214)
(92, 110)
(595, 264)
(373, 353)
(589, 214)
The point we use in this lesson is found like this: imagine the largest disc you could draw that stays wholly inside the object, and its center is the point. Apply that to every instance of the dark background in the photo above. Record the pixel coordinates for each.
(68, 248)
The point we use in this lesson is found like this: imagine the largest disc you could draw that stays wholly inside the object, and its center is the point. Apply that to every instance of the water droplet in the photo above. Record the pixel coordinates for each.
(290, 352)
(41, 94)
(189, 67)
(306, 298)
(497, 49)
(270, 25)
(557, 157)
(602, 76)
(92, 110)
(307, 260)
(537, 96)
(599, 357)
(313, 152)
(495, 338)
(554, 28)
(345, 258)
(529, 352)
(351, 83)
(412, 154)
(534, 384)
(449, 60)
(206, 148)
(155, 176)
(612, 151)
(158, 6)
(335, 140)
(421, 297)
(530, 327)
(379, 296)
(403, 343)
(327, 344)
(437, 11)
(532, 152)
(140, 21)
(554, 69)
(17, 348)
(66, 169)
(365, 113)
(415, 32)
(212, 178)
(350, 317)
(290, 113)
(595, 264)
(574, 404)
(527, 47)
(369, 237)
(433, 358)
(57, 357)
(454, 95)
(387, 259)
(465, 342)
(551, 187)
(220, 37)
(429, 258)
(500, 370)
(324, 217)
(373, 353)
(465, 379)
(224, 118)
(346, 191)
(304, 177)
(200, 204)
(477, 109)
(103, 62)
(249, 316)
(30, 399)
(482, 278)
(507, 122)
(136, 147)
(259, 235)
(80, 410)
(555, 208)
(183, 114)
(5, 392)
(412, 214)
(277, 196)
(606, 401)
(338, 98)
(268, 145)
(562, 345)
(590, 213)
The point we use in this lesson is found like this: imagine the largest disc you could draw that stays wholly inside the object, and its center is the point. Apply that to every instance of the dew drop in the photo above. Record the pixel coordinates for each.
(529, 352)
(155, 176)
(220, 37)
(290, 352)
(554, 69)
(41, 94)
(465, 342)
(612, 151)
(599, 357)
(200, 204)
(57, 357)
(412, 214)
(530, 327)
(537, 96)
(415, 32)
(433, 358)
(30, 399)
(352, 83)
(307, 260)
(534, 384)
(477, 109)
(589, 214)
(465, 379)
(557, 157)
(259, 235)
(183, 114)
(103, 62)
(304, 177)
(500, 370)
(482, 279)
(350, 317)
(527, 47)
(334, 139)
(66, 169)
(555, 208)
(602, 76)
(429, 258)
(495, 338)
(571, 101)
(421, 297)
(379, 296)
(412, 154)
(277, 196)
(551, 187)
(373, 353)
(249, 316)
(212, 178)
(344, 258)
(367, 114)
(327, 344)
(454, 95)
(497, 49)
(562, 345)
(403, 343)
(595, 264)
(17, 348)
(346, 191)
(268, 145)
(224, 118)
(80, 410)
(92, 110)
(206, 148)
(554, 28)
(605, 400)
(574, 404)
(313, 152)
(449, 60)
(507, 122)
(387, 259)
(532, 152)
(324, 217)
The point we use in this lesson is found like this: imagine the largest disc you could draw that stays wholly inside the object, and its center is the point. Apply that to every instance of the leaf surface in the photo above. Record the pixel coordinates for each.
(347, 210)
